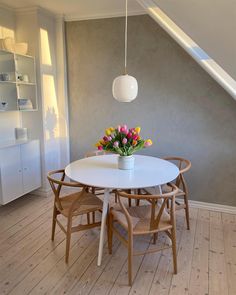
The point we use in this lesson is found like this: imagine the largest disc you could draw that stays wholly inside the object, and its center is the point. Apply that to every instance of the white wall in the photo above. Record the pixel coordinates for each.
(179, 106)
(211, 24)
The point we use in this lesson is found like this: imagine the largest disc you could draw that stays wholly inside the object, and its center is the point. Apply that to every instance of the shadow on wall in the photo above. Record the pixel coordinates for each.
(51, 122)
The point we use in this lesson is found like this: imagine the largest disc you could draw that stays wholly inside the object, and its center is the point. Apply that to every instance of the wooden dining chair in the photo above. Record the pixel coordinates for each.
(148, 219)
(184, 165)
(71, 205)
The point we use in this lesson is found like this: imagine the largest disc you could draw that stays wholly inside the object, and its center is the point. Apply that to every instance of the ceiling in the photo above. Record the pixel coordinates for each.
(79, 8)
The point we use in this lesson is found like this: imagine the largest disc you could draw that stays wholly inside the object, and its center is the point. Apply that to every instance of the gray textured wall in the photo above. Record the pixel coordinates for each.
(179, 106)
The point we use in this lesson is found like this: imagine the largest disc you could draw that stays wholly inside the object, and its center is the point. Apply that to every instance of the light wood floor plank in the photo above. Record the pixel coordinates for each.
(26, 242)
(21, 213)
(76, 271)
(19, 273)
(110, 273)
(200, 261)
(180, 281)
(146, 273)
(21, 253)
(92, 274)
(53, 260)
(11, 207)
(31, 216)
(25, 231)
(229, 232)
(164, 272)
(30, 263)
(60, 269)
(121, 283)
(217, 266)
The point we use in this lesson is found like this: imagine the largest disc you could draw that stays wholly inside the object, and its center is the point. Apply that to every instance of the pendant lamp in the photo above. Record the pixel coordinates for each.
(125, 87)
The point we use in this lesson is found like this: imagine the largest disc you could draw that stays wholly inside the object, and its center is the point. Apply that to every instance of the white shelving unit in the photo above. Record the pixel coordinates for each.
(17, 82)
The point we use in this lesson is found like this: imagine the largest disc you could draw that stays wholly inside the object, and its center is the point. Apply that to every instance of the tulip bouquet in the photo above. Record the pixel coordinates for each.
(123, 141)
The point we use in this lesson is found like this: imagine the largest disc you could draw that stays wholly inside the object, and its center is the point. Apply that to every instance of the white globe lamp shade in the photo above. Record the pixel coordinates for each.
(125, 88)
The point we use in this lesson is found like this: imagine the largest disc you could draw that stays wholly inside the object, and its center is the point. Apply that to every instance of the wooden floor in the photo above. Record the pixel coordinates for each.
(31, 264)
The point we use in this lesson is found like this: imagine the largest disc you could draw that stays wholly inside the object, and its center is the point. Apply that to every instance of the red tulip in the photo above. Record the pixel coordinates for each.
(129, 135)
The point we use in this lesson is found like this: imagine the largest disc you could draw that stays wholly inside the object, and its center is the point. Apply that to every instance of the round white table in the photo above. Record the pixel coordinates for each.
(102, 171)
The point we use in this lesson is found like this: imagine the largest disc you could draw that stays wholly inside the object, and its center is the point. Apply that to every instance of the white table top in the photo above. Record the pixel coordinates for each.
(102, 171)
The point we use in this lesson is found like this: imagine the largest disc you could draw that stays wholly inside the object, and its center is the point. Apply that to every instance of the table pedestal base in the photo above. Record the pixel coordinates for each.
(103, 224)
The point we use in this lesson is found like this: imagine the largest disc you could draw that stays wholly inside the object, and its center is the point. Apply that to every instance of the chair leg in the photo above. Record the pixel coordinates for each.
(155, 238)
(138, 193)
(129, 202)
(173, 239)
(168, 205)
(68, 238)
(187, 211)
(130, 259)
(88, 218)
(129, 191)
(54, 217)
(110, 232)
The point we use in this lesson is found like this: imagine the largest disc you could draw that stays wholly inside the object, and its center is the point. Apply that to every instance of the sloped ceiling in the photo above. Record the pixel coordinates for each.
(210, 23)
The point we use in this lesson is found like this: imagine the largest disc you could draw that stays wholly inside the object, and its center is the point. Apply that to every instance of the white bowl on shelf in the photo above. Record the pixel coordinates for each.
(9, 44)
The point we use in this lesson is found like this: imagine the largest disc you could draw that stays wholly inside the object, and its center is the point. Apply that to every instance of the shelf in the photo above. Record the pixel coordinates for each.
(31, 110)
(17, 66)
(2, 51)
(25, 83)
(18, 83)
(7, 82)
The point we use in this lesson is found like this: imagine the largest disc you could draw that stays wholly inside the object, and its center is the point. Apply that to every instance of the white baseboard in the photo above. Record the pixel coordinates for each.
(211, 206)
(194, 204)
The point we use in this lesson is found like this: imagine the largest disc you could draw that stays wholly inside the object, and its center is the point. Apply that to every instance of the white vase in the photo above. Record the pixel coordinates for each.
(126, 162)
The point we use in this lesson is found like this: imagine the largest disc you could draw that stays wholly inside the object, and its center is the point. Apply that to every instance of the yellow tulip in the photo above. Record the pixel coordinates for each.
(112, 129)
(98, 144)
(138, 129)
(108, 132)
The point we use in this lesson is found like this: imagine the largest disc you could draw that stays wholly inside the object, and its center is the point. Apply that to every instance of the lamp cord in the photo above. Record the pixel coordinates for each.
(126, 33)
